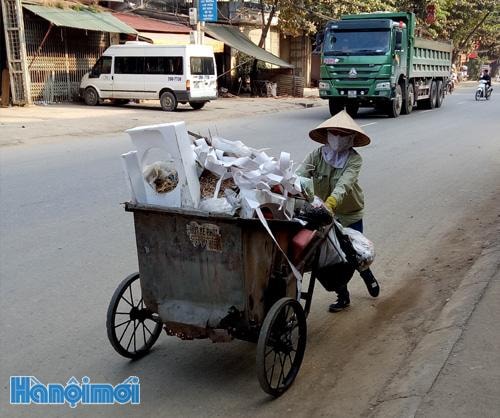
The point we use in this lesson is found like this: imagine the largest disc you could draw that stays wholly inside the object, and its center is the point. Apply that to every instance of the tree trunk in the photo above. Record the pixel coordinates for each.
(463, 44)
(265, 30)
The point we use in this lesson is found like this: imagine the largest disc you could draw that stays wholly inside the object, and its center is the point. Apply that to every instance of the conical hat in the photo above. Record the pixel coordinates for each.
(343, 123)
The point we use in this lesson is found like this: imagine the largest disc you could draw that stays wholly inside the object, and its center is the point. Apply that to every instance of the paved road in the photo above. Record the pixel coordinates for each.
(431, 180)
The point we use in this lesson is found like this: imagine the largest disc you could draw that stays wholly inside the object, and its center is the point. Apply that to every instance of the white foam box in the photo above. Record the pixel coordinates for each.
(165, 139)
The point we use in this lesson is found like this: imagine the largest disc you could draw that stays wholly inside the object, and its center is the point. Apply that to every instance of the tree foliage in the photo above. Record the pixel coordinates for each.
(467, 23)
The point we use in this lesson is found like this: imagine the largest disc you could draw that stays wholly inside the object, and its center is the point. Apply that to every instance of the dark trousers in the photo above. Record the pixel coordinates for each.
(342, 288)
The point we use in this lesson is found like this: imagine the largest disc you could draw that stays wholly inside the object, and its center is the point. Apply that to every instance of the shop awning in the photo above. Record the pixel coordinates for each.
(81, 19)
(178, 39)
(147, 24)
(231, 36)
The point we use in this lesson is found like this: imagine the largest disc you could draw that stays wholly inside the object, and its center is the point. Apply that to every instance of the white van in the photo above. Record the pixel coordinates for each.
(139, 70)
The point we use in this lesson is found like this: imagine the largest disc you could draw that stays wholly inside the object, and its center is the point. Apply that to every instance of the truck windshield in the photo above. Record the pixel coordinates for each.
(356, 42)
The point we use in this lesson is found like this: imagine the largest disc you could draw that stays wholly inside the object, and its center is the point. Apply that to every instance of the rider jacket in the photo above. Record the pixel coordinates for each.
(487, 78)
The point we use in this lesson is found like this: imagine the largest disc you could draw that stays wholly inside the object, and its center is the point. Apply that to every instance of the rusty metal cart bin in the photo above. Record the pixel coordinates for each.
(217, 277)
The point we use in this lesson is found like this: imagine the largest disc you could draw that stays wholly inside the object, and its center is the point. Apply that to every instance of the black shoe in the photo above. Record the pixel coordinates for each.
(340, 305)
(371, 282)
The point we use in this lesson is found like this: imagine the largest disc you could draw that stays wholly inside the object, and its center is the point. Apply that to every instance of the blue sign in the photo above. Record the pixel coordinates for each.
(207, 11)
(28, 390)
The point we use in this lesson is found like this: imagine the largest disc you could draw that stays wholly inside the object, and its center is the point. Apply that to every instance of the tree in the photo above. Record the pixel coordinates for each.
(464, 22)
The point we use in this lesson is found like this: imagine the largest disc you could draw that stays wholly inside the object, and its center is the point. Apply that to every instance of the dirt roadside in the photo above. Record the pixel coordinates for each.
(374, 353)
(35, 124)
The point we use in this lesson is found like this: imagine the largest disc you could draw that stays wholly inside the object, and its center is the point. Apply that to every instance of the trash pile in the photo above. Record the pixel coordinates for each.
(216, 175)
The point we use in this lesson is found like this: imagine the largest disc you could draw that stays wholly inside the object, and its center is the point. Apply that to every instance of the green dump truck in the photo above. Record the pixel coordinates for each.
(375, 60)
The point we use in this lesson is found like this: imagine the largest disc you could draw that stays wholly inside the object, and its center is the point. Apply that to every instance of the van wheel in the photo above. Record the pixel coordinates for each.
(168, 101)
(91, 96)
(197, 105)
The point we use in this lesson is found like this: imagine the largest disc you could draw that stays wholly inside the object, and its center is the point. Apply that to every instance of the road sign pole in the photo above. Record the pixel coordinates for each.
(199, 33)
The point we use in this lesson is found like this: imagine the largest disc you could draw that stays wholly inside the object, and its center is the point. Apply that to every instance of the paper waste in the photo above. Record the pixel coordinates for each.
(242, 178)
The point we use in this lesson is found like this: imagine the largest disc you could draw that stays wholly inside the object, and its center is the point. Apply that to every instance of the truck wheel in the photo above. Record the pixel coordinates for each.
(352, 109)
(394, 107)
(408, 100)
(335, 107)
(430, 103)
(91, 96)
(440, 94)
(168, 101)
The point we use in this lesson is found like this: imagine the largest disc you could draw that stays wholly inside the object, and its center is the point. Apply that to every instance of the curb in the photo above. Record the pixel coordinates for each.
(404, 394)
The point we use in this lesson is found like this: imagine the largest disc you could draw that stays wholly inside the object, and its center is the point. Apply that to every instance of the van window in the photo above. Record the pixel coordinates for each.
(202, 66)
(102, 66)
(129, 65)
(163, 65)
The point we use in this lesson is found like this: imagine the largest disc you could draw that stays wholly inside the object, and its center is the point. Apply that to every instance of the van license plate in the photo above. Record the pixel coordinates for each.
(351, 93)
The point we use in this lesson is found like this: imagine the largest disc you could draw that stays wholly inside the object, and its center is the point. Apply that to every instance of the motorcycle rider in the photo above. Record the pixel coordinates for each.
(486, 77)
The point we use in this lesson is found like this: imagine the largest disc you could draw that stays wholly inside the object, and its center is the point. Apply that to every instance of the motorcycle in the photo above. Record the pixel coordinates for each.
(450, 86)
(483, 91)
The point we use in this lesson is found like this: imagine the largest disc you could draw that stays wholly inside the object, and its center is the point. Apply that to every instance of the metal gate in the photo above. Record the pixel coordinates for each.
(58, 57)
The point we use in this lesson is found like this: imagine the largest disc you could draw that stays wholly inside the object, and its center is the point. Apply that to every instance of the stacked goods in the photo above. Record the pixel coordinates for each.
(289, 85)
(246, 178)
(213, 175)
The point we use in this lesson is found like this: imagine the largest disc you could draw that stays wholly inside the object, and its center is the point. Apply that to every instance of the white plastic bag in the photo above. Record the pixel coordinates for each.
(217, 205)
(365, 249)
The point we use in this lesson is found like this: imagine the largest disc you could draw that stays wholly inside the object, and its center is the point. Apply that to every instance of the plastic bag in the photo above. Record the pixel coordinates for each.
(217, 205)
(161, 176)
(331, 253)
(364, 248)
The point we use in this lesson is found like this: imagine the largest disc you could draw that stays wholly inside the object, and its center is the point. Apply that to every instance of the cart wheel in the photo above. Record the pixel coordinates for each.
(132, 328)
(281, 346)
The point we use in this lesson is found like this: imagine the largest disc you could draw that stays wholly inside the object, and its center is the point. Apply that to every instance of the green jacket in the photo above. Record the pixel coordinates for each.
(341, 183)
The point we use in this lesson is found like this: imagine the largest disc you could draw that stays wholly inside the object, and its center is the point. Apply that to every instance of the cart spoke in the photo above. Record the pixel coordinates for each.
(124, 331)
(145, 326)
(135, 346)
(125, 299)
(131, 337)
(131, 296)
(133, 334)
(122, 313)
(281, 373)
(144, 335)
(122, 323)
(139, 303)
(272, 370)
(291, 362)
(269, 352)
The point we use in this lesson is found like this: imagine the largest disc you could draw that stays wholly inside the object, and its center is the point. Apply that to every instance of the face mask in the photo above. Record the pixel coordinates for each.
(340, 143)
